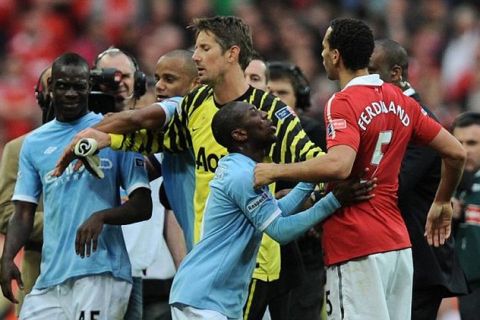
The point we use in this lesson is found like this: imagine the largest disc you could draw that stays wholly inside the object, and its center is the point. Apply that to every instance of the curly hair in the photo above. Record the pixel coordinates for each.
(354, 40)
(229, 31)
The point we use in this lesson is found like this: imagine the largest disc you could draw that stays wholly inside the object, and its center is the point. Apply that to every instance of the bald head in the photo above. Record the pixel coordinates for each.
(389, 60)
(185, 56)
(176, 74)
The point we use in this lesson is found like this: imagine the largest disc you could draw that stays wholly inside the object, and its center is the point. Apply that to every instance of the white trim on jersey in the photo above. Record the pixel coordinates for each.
(329, 118)
(270, 219)
(19, 197)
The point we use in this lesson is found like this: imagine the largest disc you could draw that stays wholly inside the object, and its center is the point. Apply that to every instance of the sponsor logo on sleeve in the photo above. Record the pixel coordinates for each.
(336, 124)
(258, 201)
(284, 113)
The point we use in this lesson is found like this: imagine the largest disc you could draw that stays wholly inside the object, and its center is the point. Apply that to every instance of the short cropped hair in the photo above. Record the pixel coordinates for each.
(466, 119)
(69, 59)
(354, 40)
(394, 54)
(227, 119)
(187, 57)
(229, 31)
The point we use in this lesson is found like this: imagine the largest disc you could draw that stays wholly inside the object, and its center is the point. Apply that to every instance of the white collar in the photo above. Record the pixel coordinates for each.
(409, 92)
(368, 80)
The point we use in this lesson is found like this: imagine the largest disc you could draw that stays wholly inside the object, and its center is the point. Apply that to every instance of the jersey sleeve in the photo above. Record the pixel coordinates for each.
(425, 128)
(340, 123)
(177, 136)
(170, 107)
(143, 141)
(29, 185)
(133, 173)
(259, 205)
(292, 143)
(147, 141)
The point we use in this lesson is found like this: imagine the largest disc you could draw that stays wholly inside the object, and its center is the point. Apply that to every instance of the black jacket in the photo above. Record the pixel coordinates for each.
(434, 268)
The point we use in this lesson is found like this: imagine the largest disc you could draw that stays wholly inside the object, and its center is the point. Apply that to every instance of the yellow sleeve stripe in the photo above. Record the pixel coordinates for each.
(116, 141)
(286, 147)
(310, 150)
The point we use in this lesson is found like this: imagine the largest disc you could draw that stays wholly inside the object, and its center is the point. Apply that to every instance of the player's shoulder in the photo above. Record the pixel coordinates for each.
(234, 168)
(39, 132)
(197, 96)
(266, 100)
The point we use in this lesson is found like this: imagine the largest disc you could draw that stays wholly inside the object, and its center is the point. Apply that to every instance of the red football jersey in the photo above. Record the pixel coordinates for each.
(377, 120)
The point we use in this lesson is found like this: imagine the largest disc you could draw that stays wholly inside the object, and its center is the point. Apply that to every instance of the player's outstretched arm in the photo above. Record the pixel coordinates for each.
(102, 139)
(152, 117)
(19, 229)
(438, 226)
(335, 165)
(287, 228)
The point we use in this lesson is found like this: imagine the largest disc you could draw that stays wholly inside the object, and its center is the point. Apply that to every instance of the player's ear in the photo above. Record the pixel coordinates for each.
(396, 73)
(335, 56)
(233, 53)
(239, 135)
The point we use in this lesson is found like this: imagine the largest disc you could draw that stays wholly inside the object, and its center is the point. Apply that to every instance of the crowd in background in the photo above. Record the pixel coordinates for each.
(442, 37)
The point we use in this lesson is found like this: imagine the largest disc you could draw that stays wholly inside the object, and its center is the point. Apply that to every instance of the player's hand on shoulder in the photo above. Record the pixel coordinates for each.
(354, 190)
(87, 235)
(10, 272)
(264, 174)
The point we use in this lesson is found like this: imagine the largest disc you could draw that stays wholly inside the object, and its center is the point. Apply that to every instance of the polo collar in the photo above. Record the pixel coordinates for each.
(368, 80)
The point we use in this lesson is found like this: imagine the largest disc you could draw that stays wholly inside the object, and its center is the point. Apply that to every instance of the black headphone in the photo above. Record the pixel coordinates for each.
(139, 78)
(300, 82)
(44, 99)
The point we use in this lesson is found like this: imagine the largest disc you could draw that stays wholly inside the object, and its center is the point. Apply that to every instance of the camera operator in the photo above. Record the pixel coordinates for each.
(117, 75)
(120, 83)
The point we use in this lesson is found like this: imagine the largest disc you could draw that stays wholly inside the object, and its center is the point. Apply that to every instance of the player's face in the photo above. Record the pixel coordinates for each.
(260, 129)
(124, 93)
(70, 89)
(378, 64)
(469, 137)
(255, 73)
(209, 58)
(327, 56)
(172, 78)
(283, 89)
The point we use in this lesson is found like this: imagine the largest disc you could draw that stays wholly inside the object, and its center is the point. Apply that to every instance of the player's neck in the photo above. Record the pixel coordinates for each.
(230, 87)
(346, 75)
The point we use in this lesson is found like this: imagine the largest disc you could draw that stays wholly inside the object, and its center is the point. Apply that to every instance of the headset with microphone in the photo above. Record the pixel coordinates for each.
(299, 81)
(139, 78)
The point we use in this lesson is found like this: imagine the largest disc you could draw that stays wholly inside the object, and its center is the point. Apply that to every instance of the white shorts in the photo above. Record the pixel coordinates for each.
(98, 297)
(378, 286)
(190, 313)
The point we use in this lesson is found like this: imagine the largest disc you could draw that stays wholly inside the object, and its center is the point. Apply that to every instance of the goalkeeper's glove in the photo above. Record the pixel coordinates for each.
(86, 150)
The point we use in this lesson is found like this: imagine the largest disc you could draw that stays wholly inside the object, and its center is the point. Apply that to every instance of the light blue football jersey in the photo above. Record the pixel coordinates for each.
(216, 273)
(73, 197)
(178, 171)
